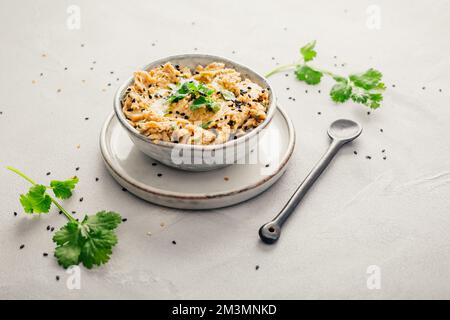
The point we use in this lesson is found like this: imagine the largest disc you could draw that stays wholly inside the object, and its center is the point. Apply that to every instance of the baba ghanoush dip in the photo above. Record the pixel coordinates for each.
(208, 105)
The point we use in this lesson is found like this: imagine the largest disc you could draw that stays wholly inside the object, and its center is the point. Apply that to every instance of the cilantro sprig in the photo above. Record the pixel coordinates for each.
(90, 241)
(200, 94)
(364, 88)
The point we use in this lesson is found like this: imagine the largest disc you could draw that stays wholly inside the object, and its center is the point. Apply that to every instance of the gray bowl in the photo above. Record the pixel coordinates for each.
(197, 157)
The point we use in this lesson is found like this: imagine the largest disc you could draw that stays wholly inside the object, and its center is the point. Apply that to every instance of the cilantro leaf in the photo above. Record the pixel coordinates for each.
(63, 189)
(227, 95)
(367, 80)
(189, 88)
(89, 242)
(308, 74)
(36, 200)
(364, 88)
(204, 90)
(204, 102)
(341, 91)
(308, 51)
(370, 99)
(206, 125)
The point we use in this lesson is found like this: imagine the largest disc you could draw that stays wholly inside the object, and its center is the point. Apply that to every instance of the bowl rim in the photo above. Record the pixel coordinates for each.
(123, 121)
(119, 173)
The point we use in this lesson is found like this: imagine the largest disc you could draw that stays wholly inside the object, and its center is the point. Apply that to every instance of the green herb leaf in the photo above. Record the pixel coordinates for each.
(341, 91)
(370, 99)
(364, 88)
(36, 200)
(308, 51)
(228, 95)
(308, 74)
(190, 88)
(206, 125)
(367, 80)
(199, 102)
(63, 189)
(204, 90)
(204, 102)
(89, 242)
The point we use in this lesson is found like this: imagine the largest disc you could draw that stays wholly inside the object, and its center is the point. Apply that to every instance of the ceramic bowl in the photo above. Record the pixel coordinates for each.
(197, 157)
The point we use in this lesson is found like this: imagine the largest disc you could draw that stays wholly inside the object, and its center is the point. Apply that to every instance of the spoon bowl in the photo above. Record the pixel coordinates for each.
(344, 130)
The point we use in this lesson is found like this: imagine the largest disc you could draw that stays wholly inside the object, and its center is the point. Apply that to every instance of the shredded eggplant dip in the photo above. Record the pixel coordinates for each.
(208, 105)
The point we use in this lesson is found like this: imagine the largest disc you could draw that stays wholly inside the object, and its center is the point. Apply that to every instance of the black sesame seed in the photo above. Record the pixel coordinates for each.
(235, 137)
(384, 158)
(174, 242)
(368, 157)
(355, 152)
(319, 113)
(48, 227)
(96, 179)
(384, 150)
(381, 130)
(52, 229)
(81, 199)
(45, 254)
(267, 165)
(74, 212)
(159, 174)
(60, 212)
(287, 88)
(15, 213)
(22, 246)
(256, 267)
(57, 278)
(77, 168)
(124, 189)
(124, 220)
(423, 88)
(368, 112)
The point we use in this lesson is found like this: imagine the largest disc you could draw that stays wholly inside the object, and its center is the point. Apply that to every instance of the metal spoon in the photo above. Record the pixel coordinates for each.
(340, 131)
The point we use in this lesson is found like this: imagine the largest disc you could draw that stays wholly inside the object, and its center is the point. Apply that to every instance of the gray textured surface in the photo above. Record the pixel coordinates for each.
(393, 213)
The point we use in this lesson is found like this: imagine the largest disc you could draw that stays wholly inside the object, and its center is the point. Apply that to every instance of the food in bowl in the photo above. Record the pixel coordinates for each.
(208, 105)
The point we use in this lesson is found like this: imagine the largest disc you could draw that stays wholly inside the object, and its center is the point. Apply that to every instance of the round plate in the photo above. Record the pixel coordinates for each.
(159, 184)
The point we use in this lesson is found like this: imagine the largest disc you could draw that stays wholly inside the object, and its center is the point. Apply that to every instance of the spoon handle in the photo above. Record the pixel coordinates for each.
(270, 232)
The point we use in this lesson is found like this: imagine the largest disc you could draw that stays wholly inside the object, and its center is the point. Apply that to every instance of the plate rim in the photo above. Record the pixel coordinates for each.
(187, 196)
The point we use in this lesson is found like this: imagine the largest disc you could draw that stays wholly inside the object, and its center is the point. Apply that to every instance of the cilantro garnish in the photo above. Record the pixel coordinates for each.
(90, 241)
(364, 88)
(200, 94)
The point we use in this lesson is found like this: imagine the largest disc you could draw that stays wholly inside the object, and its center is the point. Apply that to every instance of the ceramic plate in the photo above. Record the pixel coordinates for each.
(162, 185)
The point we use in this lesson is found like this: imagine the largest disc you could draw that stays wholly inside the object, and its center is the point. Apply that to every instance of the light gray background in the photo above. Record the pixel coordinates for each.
(392, 213)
